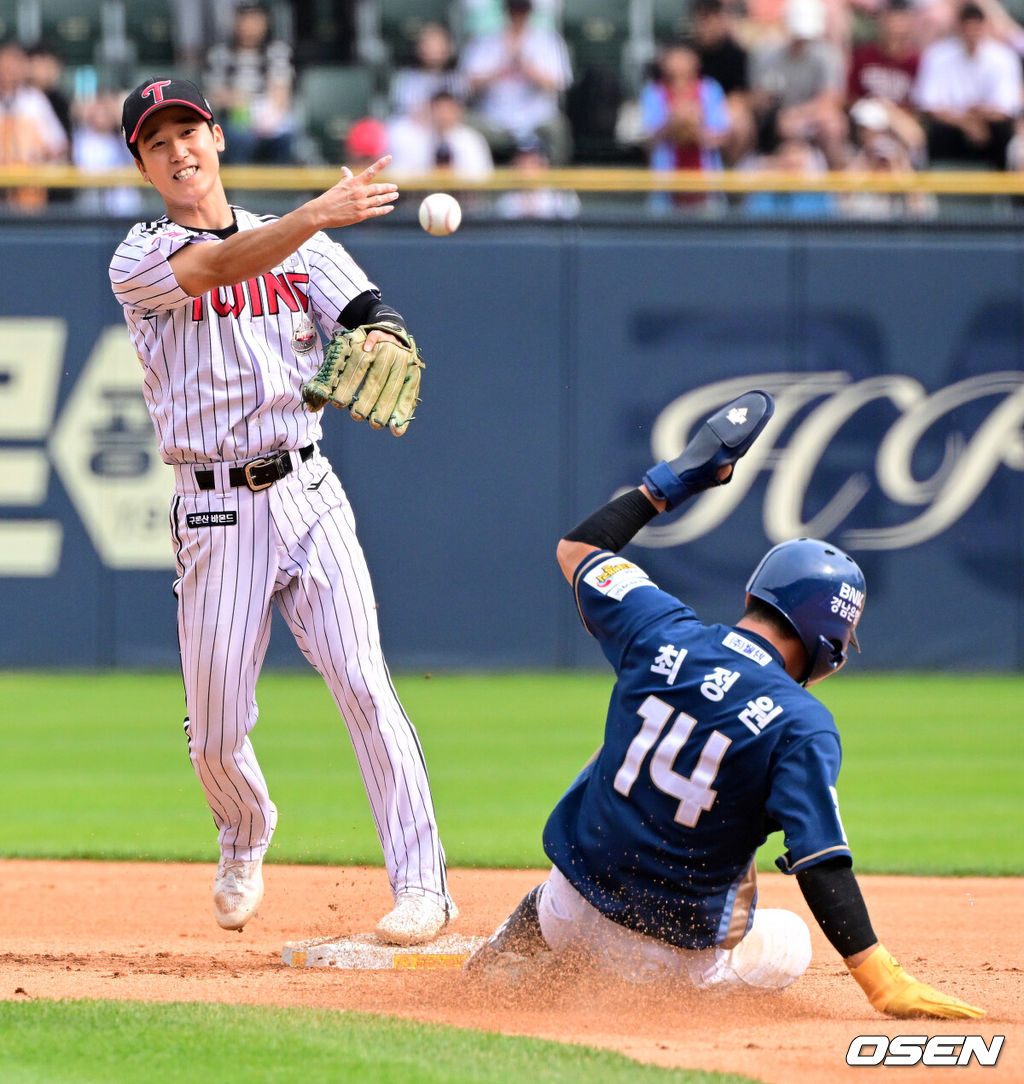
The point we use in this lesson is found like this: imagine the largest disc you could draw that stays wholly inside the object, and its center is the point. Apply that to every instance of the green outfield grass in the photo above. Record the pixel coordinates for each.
(95, 765)
(134, 1043)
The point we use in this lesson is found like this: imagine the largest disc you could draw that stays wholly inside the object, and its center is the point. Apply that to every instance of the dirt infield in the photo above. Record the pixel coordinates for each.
(146, 931)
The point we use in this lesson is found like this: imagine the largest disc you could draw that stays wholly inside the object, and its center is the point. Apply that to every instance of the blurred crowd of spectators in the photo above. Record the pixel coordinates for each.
(803, 86)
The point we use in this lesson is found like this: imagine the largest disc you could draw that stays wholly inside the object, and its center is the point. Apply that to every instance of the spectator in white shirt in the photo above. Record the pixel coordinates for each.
(97, 145)
(30, 133)
(969, 91)
(440, 141)
(516, 81)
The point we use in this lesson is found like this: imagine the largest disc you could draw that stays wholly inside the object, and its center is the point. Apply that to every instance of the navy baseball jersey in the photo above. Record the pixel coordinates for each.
(709, 746)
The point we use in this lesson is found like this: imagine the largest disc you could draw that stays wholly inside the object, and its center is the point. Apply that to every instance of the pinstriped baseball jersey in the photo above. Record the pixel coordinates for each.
(221, 379)
(223, 386)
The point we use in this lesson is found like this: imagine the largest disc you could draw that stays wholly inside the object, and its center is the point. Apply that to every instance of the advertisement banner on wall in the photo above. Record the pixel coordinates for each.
(907, 453)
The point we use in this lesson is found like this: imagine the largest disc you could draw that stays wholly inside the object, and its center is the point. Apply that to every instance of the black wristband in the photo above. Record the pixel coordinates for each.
(368, 308)
(614, 525)
(835, 900)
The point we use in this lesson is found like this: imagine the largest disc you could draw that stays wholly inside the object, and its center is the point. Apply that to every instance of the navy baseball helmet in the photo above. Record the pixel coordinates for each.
(820, 592)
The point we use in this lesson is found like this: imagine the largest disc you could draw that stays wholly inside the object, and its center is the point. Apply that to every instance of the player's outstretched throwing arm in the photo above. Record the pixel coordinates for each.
(372, 367)
(248, 253)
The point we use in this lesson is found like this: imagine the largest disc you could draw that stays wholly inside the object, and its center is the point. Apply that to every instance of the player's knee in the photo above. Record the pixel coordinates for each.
(776, 951)
(364, 689)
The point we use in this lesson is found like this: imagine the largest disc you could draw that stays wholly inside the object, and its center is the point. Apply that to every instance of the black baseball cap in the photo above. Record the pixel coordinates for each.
(154, 94)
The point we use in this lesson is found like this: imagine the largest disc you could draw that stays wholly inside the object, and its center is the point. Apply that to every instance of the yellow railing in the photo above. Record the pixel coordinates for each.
(582, 180)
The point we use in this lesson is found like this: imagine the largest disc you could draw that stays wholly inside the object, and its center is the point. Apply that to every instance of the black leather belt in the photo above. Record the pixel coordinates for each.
(257, 474)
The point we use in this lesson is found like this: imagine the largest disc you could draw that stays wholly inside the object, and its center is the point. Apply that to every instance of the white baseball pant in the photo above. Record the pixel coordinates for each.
(294, 545)
(775, 952)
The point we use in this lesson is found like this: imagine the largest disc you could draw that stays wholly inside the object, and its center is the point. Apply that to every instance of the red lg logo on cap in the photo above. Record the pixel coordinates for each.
(156, 90)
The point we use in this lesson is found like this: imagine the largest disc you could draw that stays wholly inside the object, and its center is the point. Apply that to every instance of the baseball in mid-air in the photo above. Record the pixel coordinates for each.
(440, 214)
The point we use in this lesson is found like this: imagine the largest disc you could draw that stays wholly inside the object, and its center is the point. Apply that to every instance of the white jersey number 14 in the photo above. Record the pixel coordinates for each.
(694, 792)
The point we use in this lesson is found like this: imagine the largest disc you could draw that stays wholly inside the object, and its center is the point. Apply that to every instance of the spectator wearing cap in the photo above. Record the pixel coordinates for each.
(724, 59)
(868, 115)
(969, 88)
(798, 86)
(879, 149)
(517, 78)
(365, 142)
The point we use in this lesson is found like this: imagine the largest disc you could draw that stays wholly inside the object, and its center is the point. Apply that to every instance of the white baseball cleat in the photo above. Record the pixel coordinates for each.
(416, 919)
(237, 891)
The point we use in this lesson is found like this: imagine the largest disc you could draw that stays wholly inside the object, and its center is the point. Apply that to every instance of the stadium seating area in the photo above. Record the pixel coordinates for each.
(345, 54)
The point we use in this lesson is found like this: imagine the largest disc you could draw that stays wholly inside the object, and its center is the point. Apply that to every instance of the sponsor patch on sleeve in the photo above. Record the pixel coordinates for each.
(615, 577)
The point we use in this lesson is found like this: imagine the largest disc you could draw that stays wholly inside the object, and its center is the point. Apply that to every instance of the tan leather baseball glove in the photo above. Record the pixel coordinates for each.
(380, 385)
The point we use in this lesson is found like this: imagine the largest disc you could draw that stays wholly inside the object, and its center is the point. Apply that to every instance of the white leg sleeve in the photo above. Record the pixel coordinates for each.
(775, 953)
(570, 924)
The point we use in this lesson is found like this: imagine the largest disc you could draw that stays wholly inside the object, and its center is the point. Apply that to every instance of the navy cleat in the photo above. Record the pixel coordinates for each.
(512, 950)
(723, 439)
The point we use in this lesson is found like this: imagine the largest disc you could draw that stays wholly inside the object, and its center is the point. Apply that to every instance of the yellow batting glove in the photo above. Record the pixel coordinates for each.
(891, 990)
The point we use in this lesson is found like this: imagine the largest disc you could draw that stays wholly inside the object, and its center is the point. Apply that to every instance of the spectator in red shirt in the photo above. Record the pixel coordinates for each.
(884, 71)
(887, 66)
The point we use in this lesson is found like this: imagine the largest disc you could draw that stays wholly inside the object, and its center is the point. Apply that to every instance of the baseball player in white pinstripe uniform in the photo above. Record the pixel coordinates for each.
(221, 306)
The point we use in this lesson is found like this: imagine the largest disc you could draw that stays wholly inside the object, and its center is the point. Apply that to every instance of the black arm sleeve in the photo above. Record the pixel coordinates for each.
(368, 308)
(835, 900)
(612, 526)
